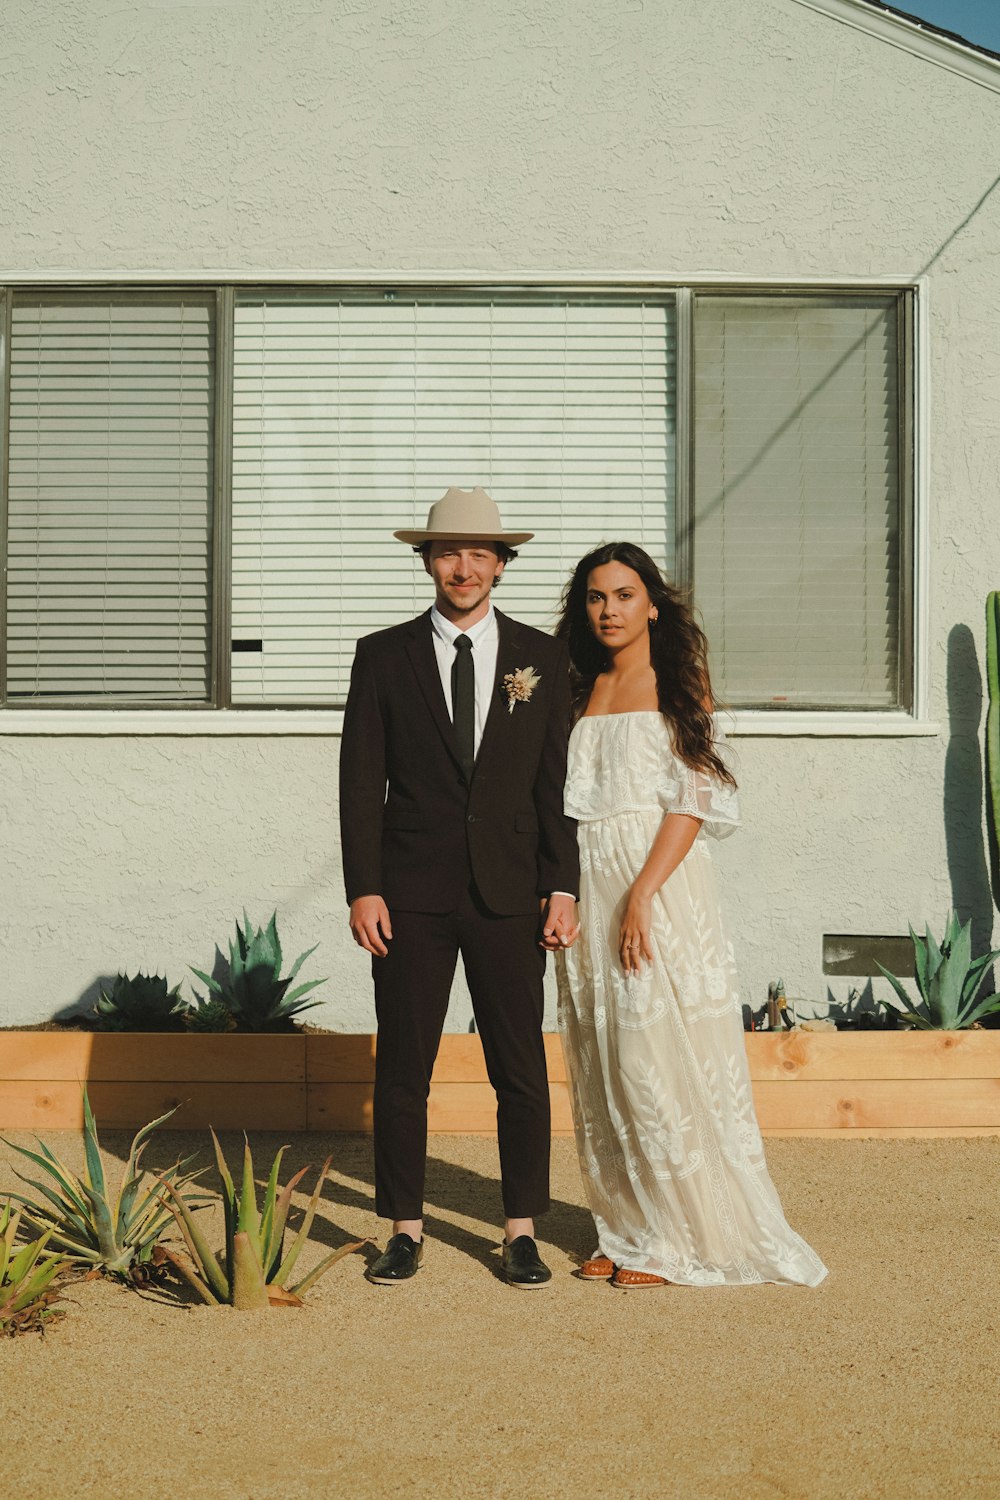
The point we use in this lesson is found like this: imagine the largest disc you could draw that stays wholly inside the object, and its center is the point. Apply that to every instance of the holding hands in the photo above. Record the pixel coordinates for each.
(560, 928)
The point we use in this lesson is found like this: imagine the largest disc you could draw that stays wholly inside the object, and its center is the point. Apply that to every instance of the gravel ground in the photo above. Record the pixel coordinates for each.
(882, 1382)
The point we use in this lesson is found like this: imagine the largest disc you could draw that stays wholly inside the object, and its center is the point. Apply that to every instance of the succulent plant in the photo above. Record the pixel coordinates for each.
(253, 1268)
(141, 1002)
(948, 980)
(27, 1275)
(251, 989)
(209, 1013)
(111, 1233)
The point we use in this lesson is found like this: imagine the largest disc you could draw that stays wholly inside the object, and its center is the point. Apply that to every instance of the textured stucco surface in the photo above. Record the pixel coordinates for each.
(749, 138)
(141, 851)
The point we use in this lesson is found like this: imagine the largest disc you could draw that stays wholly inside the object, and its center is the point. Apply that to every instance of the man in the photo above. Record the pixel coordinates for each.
(454, 841)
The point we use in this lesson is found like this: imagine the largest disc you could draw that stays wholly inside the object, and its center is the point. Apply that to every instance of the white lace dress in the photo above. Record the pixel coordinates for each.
(672, 1158)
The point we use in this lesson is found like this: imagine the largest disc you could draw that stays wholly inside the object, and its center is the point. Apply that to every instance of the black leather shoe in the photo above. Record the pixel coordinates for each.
(398, 1262)
(522, 1264)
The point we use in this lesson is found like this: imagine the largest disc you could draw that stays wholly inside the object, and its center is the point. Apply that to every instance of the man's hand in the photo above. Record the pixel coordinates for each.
(560, 929)
(370, 924)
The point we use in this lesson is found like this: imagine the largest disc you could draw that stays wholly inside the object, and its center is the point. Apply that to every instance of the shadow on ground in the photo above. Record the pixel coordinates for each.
(457, 1196)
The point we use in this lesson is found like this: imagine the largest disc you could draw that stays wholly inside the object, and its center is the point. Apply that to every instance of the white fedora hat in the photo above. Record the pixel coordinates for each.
(464, 515)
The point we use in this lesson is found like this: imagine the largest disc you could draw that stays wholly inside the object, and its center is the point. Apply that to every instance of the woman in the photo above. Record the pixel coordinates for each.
(669, 1146)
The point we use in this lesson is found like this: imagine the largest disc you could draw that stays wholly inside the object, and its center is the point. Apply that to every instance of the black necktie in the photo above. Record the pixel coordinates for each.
(463, 703)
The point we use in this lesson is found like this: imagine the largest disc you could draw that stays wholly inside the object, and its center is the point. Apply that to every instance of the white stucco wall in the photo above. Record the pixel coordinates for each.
(751, 138)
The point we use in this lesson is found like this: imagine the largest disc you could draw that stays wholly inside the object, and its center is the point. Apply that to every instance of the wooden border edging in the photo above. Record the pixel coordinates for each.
(231, 1082)
(876, 1083)
(805, 1083)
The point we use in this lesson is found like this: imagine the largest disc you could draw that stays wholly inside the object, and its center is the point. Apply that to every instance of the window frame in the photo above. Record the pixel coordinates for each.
(216, 583)
(544, 293)
(906, 687)
(219, 716)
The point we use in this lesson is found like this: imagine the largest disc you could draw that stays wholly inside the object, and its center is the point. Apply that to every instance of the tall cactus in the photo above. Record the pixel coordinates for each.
(993, 735)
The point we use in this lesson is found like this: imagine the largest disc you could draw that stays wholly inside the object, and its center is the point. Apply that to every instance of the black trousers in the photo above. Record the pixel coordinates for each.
(504, 967)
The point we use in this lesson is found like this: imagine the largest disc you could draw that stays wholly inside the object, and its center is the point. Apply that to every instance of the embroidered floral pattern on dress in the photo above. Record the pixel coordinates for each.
(671, 1154)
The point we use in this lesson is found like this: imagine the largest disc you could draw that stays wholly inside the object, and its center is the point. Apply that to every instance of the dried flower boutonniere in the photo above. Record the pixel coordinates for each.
(520, 685)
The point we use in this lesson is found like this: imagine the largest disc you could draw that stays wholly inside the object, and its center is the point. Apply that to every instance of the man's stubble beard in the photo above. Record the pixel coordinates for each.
(469, 607)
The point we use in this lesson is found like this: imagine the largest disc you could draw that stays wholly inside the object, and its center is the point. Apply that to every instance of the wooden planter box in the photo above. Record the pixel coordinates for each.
(234, 1082)
(876, 1083)
(805, 1083)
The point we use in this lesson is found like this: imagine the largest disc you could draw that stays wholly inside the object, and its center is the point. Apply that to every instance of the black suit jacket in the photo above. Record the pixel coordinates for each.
(411, 829)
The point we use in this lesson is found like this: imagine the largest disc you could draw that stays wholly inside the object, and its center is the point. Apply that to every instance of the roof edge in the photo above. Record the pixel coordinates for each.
(919, 38)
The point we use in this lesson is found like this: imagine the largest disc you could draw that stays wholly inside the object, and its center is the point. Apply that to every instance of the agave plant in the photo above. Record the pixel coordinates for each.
(252, 989)
(27, 1274)
(113, 1233)
(253, 1269)
(209, 1013)
(948, 980)
(141, 1002)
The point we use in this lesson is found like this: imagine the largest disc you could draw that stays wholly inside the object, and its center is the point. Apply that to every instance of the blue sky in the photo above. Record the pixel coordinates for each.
(977, 21)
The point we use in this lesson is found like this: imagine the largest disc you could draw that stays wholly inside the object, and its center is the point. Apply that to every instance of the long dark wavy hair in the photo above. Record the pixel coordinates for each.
(678, 652)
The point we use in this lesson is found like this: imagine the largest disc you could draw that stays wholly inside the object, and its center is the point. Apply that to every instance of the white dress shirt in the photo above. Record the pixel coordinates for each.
(485, 638)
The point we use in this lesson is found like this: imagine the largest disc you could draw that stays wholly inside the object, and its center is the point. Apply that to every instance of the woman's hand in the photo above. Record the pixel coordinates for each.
(678, 832)
(633, 935)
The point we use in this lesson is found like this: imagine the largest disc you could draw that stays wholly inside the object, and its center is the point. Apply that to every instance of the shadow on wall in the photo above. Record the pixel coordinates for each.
(80, 1009)
(968, 871)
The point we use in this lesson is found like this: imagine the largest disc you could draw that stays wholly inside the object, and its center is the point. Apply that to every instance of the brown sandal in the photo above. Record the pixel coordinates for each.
(598, 1268)
(633, 1279)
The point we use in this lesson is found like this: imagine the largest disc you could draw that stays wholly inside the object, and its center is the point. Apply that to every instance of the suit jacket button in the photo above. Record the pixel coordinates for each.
(471, 818)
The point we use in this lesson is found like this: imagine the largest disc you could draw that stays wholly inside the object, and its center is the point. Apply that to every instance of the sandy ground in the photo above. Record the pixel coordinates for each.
(883, 1382)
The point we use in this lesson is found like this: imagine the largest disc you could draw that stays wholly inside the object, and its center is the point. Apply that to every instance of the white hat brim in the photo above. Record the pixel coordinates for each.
(510, 538)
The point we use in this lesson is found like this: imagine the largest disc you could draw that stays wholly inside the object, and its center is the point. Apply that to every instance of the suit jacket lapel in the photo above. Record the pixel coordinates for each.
(508, 646)
(420, 649)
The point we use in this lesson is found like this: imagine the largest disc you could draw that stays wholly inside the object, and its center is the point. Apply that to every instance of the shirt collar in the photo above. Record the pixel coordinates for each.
(449, 633)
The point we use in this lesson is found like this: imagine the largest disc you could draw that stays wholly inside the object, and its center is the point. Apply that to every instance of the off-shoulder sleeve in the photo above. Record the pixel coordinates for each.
(698, 794)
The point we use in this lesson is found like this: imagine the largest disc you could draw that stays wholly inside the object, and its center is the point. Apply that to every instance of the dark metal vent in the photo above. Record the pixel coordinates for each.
(857, 954)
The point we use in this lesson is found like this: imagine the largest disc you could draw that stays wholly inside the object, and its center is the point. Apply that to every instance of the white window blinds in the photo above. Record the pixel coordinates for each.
(109, 498)
(797, 498)
(353, 414)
